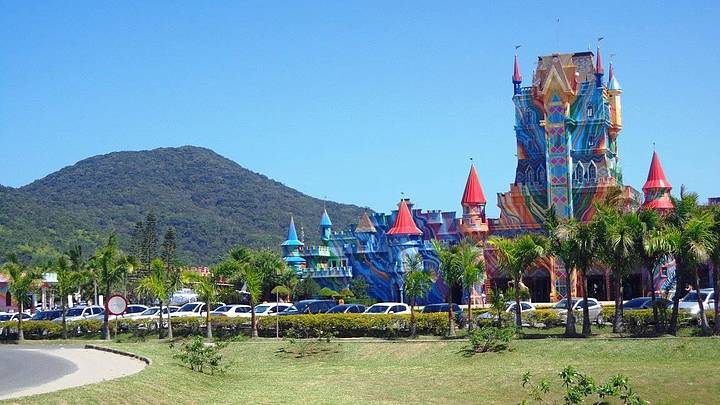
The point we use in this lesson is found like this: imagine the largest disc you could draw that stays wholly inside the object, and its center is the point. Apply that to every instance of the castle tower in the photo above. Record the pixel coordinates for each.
(325, 226)
(365, 232)
(657, 187)
(473, 202)
(291, 249)
(403, 242)
(566, 127)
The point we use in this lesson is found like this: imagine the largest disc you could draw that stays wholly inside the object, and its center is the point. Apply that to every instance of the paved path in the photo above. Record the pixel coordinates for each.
(34, 370)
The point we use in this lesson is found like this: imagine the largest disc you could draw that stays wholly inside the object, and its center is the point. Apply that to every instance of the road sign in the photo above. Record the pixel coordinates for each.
(116, 305)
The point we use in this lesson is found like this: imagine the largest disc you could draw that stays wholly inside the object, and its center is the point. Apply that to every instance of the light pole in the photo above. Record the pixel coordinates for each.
(277, 314)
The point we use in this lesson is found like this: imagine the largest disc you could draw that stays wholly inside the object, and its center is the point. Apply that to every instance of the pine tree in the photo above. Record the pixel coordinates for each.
(169, 247)
(150, 241)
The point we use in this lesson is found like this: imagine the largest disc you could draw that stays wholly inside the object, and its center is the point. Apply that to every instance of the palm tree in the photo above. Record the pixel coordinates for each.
(584, 256)
(472, 262)
(451, 270)
(111, 267)
(251, 268)
(692, 240)
(159, 283)
(515, 257)
(22, 280)
(563, 246)
(68, 278)
(653, 246)
(207, 289)
(418, 283)
(617, 235)
(715, 258)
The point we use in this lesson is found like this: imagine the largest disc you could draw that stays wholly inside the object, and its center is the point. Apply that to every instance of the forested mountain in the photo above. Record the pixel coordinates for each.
(212, 202)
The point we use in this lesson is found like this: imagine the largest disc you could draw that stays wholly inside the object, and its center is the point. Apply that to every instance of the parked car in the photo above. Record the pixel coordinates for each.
(645, 303)
(47, 315)
(153, 312)
(310, 307)
(14, 316)
(689, 302)
(191, 309)
(443, 307)
(183, 296)
(388, 308)
(594, 308)
(347, 309)
(231, 311)
(80, 313)
(132, 311)
(269, 309)
(526, 307)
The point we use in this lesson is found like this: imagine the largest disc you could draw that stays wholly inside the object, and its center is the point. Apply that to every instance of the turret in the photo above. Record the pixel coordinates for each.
(657, 187)
(291, 248)
(599, 71)
(614, 91)
(516, 77)
(404, 224)
(473, 203)
(325, 226)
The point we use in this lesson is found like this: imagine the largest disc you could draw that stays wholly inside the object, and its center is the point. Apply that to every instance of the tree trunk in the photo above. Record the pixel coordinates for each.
(570, 323)
(21, 333)
(413, 326)
(106, 319)
(672, 329)
(208, 333)
(451, 319)
(253, 320)
(702, 319)
(587, 326)
(653, 300)
(64, 322)
(716, 287)
(469, 315)
(170, 331)
(617, 320)
(518, 309)
(160, 328)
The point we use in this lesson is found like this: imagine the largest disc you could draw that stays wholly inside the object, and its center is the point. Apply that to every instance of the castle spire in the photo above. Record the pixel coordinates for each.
(473, 194)
(657, 187)
(292, 238)
(613, 83)
(404, 223)
(325, 220)
(599, 71)
(516, 77)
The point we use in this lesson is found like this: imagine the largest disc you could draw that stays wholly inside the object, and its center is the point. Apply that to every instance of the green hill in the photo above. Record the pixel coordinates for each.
(212, 202)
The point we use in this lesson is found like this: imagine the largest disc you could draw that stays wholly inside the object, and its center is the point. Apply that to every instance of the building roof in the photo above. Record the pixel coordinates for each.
(613, 83)
(404, 223)
(365, 225)
(598, 63)
(656, 175)
(516, 77)
(292, 239)
(473, 189)
(325, 220)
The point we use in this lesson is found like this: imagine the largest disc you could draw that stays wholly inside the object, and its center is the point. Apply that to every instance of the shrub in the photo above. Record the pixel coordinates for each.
(32, 329)
(490, 339)
(547, 317)
(355, 325)
(199, 356)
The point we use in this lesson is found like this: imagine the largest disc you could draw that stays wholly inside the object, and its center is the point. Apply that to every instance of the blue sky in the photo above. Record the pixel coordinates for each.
(356, 101)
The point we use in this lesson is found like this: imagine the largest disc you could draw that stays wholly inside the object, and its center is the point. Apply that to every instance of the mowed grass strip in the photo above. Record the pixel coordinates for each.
(663, 371)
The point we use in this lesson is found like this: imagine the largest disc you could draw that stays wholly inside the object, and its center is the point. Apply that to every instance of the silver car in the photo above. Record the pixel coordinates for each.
(690, 304)
(594, 308)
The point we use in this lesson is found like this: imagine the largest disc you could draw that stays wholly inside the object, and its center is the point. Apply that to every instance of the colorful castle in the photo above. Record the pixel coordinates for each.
(566, 125)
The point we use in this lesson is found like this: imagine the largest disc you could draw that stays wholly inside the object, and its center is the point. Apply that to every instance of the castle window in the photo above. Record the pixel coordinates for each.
(590, 111)
(528, 116)
(529, 176)
(579, 172)
(591, 140)
(541, 174)
(592, 172)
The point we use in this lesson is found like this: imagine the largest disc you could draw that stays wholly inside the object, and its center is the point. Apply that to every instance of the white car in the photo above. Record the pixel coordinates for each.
(269, 309)
(153, 312)
(689, 302)
(183, 296)
(193, 309)
(13, 316)
(525, 308)
(132, 311)
(594, 309)
(80, 313)
(388, 308)
(231, 311)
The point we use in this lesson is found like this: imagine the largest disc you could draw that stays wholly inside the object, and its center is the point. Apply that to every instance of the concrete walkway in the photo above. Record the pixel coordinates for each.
(35, 370)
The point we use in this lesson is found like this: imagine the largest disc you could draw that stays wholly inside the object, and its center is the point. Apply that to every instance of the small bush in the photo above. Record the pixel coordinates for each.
(199, 356)
(490, 339)
(355, 325)
(547, 317)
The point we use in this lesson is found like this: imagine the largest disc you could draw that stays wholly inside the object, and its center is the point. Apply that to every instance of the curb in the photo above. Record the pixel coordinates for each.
(120, 352)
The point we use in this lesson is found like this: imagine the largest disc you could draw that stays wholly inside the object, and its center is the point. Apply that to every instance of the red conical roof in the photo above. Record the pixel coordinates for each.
(656, 176)
(517, 77)
(404, 224)
(473, 190)
(599, 65)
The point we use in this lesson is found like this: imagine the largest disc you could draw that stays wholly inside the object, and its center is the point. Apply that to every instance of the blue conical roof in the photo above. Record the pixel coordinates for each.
(325, 220)
(292, 239)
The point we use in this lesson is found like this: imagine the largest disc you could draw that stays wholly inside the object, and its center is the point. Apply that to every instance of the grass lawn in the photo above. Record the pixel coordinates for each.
(662, 371)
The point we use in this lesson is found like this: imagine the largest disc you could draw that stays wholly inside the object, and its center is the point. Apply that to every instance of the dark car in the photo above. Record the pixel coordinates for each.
(48, 315)
(347, 309)
(459, 317)
(646, 303)
(309, 307)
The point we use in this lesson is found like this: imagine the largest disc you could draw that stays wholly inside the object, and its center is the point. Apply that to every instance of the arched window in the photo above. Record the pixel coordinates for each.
(541, 174)
(529, 175)
(590, 111)
(592, 172)
(579, 172)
